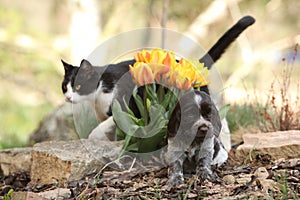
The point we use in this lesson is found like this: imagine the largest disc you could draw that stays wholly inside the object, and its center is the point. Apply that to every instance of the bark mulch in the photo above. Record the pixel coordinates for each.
(251, 178)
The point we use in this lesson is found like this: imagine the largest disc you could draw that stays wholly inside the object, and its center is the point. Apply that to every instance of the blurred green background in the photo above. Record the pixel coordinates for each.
(35, 35)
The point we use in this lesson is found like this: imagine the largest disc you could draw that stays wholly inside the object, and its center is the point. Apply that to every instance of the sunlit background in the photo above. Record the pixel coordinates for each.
(35, 35)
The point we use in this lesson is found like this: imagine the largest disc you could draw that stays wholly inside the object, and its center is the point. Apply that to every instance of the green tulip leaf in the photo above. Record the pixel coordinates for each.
(123, 120)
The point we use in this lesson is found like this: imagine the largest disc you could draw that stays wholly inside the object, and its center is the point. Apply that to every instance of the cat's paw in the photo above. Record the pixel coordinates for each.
(97, 133)
(106, 130)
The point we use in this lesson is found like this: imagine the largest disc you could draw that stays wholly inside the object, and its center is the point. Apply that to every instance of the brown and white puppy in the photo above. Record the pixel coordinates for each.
(193, 142)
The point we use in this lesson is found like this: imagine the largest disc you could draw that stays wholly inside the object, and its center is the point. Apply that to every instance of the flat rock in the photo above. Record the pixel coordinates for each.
(61, 162)
(59, 193)
(282, 144)
(26, 196)
(16, 160)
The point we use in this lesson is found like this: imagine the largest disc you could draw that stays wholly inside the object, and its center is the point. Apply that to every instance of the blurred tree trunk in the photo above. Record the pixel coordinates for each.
(219, 11)
(216, 11)
(199, 28)
(84, 28)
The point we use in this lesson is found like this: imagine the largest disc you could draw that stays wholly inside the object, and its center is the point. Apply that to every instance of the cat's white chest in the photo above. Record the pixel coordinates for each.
(102, 103)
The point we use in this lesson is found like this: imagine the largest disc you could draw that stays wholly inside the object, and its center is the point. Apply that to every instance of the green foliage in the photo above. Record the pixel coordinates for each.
(147, 133)
(11, 20)
(286, 190)
(8, 195)
(29, 82)
(188, 190)
(138, 136)
(17, 120)
(25, 94)
(83, 119)
(223, 111)
(240, 116)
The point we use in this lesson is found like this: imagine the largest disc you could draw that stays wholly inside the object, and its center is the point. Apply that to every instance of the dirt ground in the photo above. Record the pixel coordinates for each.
(255, 178)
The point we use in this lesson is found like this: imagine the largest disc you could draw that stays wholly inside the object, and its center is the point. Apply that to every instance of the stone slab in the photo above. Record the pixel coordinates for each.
(16, 160)
(282, 144)
(61, 162)
(58, 194)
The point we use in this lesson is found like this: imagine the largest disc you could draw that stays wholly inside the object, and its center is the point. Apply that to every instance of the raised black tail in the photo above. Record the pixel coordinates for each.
(224, 42)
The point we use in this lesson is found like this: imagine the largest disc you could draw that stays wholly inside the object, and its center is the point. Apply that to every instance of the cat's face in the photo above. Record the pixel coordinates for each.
(79, 83)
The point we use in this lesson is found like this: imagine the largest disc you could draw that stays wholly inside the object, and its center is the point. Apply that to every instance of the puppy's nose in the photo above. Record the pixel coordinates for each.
(202, 129)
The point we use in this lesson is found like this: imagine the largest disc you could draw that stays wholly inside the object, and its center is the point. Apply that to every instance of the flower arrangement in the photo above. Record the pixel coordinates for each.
(162, 67)
(164, 80)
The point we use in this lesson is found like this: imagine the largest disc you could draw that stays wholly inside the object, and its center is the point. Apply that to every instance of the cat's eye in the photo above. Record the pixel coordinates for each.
(77, 87)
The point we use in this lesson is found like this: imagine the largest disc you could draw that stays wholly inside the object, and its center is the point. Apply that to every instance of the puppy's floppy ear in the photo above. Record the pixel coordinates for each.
(209, 106)
(174, 121)
(215, 119)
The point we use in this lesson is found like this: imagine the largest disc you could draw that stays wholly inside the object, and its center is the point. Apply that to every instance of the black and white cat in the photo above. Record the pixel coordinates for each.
(101, 85)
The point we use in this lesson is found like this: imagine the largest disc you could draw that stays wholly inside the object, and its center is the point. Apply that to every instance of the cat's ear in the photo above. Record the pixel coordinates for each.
(87, 67)
(85, 64)
(67, 66)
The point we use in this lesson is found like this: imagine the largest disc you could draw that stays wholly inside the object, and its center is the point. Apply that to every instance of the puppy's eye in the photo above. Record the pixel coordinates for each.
(65, 87)
(77, 87)
(206, 109)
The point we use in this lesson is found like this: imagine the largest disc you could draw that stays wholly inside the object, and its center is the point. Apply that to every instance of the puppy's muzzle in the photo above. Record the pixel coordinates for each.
(203, 128)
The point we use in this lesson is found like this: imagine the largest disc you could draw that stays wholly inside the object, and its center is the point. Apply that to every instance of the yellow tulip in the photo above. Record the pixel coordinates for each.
(182, 83)
(160, 72)
(157, 56)
(143, 56)
(163, 67)
(200, 73)
(202, 78)
(142, 73)
(184, 78)
(159, 68)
